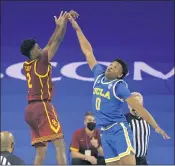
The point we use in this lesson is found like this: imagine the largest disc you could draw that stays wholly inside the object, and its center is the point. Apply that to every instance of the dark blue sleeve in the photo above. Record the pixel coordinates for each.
(97, 70)
(122, 91)
(127, 117)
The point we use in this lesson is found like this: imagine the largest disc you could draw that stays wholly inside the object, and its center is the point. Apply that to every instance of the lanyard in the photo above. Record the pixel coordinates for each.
(87, 144)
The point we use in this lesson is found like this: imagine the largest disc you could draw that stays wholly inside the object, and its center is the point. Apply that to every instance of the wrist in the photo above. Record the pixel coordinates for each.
(156, 126)
(78, 29)
(98, 146)
(57, 26)
(85, 157)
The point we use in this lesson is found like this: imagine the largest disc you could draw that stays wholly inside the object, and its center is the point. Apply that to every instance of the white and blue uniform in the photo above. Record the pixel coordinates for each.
(107, 101)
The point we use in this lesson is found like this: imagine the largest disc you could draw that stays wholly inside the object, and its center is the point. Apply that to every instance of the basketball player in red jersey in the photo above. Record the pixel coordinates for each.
(40, 114)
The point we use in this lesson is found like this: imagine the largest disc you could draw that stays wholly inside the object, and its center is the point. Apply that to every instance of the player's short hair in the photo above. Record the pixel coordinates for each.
(124, 67)
(26, 47)
(89, 114)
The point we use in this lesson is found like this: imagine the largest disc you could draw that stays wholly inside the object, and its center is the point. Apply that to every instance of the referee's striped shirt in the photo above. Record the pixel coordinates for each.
(10, 159)
(4, 161)
(141, 133)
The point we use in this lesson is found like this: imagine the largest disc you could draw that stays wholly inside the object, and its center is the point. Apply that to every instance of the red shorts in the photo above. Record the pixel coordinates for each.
(43, 121)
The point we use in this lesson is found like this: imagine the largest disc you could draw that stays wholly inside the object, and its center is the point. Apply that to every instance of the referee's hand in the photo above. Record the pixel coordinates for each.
(162, 132)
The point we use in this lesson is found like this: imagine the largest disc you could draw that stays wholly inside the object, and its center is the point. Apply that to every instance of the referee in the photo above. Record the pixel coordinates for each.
(7, 146)
(141, 132)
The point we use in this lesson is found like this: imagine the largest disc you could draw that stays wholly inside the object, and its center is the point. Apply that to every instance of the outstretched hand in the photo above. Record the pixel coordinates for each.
(61, 19)
(73, 22)
(162, 132)
(74, 14)
(64, 16)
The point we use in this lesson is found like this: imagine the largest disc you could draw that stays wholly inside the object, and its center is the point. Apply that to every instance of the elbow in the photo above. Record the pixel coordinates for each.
(141, 111)
(87, 49)
(88, 53)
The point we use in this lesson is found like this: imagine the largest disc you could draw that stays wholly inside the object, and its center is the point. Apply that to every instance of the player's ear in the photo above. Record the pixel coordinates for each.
(85, 123)
(31, 52)
(12, 147)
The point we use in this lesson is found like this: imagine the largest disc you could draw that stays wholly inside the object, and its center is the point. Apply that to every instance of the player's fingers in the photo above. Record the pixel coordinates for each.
(74, 14)
(77, 15)
(64, 14)
(55, 18)
(67, 15)
(70, 18)
(166, 136)
(61, 14)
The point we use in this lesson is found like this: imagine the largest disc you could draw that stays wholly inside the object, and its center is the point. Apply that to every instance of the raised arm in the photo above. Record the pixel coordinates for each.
(84, 44)
(58, 35)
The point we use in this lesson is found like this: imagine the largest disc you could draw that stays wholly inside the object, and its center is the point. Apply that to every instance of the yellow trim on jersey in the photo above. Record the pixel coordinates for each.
(53, 110)
(127, 137)
(74, 149)
(41, 94)
(47, 138)
(48, 87)
(41, 87)
(39, 75)
(28, 63)
(40, 78)
(41, 82)
(51, 123)
(128, 150)
(121, 155)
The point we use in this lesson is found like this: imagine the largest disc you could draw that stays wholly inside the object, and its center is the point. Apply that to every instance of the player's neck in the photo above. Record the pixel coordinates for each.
(108, 79)
(132, 113)
(135, 115)
(89, 132)
(7, 150)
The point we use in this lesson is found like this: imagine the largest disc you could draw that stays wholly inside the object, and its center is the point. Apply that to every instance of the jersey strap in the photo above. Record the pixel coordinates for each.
(97, 79)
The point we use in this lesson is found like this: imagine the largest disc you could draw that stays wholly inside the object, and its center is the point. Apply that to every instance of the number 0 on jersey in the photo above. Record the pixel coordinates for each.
(98, 103)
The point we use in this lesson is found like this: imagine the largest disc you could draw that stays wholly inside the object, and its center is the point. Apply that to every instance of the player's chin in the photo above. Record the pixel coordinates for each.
(107, 74)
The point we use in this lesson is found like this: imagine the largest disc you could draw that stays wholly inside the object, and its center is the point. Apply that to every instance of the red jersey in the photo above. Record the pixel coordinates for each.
(38, 75)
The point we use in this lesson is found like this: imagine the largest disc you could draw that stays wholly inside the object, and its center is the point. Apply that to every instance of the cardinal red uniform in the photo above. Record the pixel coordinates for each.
(40, 114)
